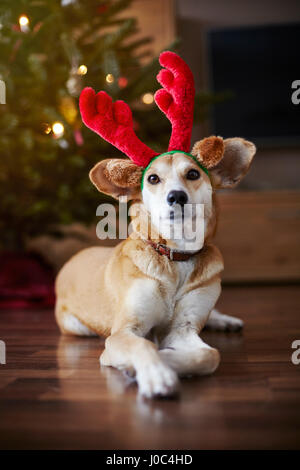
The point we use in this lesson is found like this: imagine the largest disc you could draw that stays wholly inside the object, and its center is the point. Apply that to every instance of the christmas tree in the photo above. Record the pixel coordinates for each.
(49, 51)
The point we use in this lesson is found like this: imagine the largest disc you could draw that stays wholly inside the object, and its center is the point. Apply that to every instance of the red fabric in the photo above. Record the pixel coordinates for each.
(113, 122)
(176, 99)
(25, 282)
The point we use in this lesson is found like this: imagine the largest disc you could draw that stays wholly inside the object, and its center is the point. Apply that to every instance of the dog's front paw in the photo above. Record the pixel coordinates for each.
(157, 380)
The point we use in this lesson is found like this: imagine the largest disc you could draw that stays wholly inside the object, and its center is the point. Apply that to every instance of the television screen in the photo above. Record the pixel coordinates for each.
(257, 65)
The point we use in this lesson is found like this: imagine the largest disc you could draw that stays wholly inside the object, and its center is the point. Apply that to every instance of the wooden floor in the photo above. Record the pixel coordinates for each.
(54, 395)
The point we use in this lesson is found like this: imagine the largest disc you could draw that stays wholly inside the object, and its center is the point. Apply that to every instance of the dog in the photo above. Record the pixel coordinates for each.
(152, 294)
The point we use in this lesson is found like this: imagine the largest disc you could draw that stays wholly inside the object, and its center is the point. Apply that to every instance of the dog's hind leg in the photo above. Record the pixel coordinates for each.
(69, 324)
(73, 326)
(219, 322)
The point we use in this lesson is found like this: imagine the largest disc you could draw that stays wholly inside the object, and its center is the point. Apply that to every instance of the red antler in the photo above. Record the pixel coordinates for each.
(176, 99)
(113, 122)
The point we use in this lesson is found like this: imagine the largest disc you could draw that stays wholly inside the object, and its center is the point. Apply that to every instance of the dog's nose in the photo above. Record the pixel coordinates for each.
(177, 197)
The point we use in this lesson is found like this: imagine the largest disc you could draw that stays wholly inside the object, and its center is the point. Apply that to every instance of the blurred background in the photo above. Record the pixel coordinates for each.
(244, 58)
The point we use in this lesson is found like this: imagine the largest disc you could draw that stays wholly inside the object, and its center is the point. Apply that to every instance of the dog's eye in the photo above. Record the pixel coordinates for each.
(153, 179)
(193, 174)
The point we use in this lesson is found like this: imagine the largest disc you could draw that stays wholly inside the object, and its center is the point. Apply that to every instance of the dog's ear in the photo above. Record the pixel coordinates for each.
(117, 178)
(227, 160)
(237, 158)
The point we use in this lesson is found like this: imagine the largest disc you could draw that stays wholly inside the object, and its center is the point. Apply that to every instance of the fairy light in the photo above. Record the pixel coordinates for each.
(110, 78)
(24, 23)
(82, 69)
(148, 98)
(46, 128)
(122, 82)
(58, 129)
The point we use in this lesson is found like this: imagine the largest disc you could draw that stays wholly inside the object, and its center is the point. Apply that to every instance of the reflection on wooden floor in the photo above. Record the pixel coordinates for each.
(53, 393)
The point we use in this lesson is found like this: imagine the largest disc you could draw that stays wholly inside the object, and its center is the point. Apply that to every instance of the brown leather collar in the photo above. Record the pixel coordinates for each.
(173, 255)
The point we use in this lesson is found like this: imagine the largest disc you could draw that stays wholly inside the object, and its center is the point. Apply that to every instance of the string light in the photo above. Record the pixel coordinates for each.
(148, 98)
(46, 128)
(23, 20)
(58, 129)
(123, 82)
(63, 143)
(110, 78)
(82, 69)
(24, 23)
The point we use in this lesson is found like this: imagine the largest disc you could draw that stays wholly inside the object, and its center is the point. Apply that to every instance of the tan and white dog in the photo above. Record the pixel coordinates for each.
(149, 307)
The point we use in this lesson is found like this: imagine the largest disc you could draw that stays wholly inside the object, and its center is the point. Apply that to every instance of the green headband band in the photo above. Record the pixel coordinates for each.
(171, 153)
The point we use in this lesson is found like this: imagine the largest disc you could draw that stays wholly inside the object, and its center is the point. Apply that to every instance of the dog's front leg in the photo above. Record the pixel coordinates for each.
(142, 309)
(182, 348)
(126, 350)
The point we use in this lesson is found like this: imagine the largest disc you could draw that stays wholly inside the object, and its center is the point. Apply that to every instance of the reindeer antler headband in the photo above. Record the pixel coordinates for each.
(113, 121)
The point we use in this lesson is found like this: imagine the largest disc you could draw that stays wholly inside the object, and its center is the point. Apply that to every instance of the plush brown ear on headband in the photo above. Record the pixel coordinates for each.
(209, 151)
(117, 178)
(228, 160)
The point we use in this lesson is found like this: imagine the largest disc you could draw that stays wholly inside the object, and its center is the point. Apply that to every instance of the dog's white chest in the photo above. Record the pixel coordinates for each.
(173, 291)
(155, 298)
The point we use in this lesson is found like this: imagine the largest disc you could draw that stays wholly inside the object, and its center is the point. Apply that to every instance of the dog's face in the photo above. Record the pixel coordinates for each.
(177, 194)
(175, 189)
(174, 180)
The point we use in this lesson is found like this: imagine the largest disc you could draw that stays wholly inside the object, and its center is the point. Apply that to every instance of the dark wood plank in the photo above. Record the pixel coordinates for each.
(54, 395)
